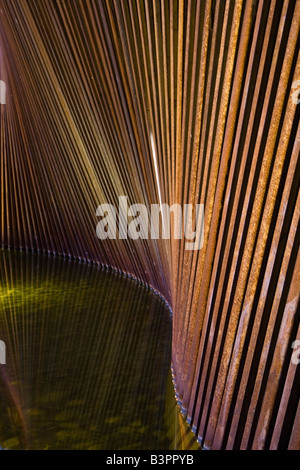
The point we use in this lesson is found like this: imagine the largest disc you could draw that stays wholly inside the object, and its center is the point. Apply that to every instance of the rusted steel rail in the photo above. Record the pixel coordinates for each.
(177, 101)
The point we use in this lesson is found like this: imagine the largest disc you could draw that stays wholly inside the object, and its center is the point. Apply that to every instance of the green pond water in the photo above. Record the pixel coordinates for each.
(87, 360)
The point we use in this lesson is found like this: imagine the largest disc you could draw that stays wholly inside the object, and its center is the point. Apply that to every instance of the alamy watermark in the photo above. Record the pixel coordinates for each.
(2, 92)
(2, 352)
(137, 222)
(296, 94)
(296, 353)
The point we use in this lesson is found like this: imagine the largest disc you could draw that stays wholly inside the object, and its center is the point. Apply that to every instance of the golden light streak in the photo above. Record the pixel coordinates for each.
(182, 101)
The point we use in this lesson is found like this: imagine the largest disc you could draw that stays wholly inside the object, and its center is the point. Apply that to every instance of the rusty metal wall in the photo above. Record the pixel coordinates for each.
(177, 101)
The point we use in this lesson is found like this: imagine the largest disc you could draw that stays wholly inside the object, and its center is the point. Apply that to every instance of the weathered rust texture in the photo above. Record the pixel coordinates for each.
(92, 89)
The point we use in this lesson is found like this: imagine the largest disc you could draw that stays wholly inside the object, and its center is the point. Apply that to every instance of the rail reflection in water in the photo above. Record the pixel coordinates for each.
(87, 360)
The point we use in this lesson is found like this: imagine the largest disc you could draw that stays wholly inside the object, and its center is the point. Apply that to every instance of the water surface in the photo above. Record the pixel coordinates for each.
(88, 357)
